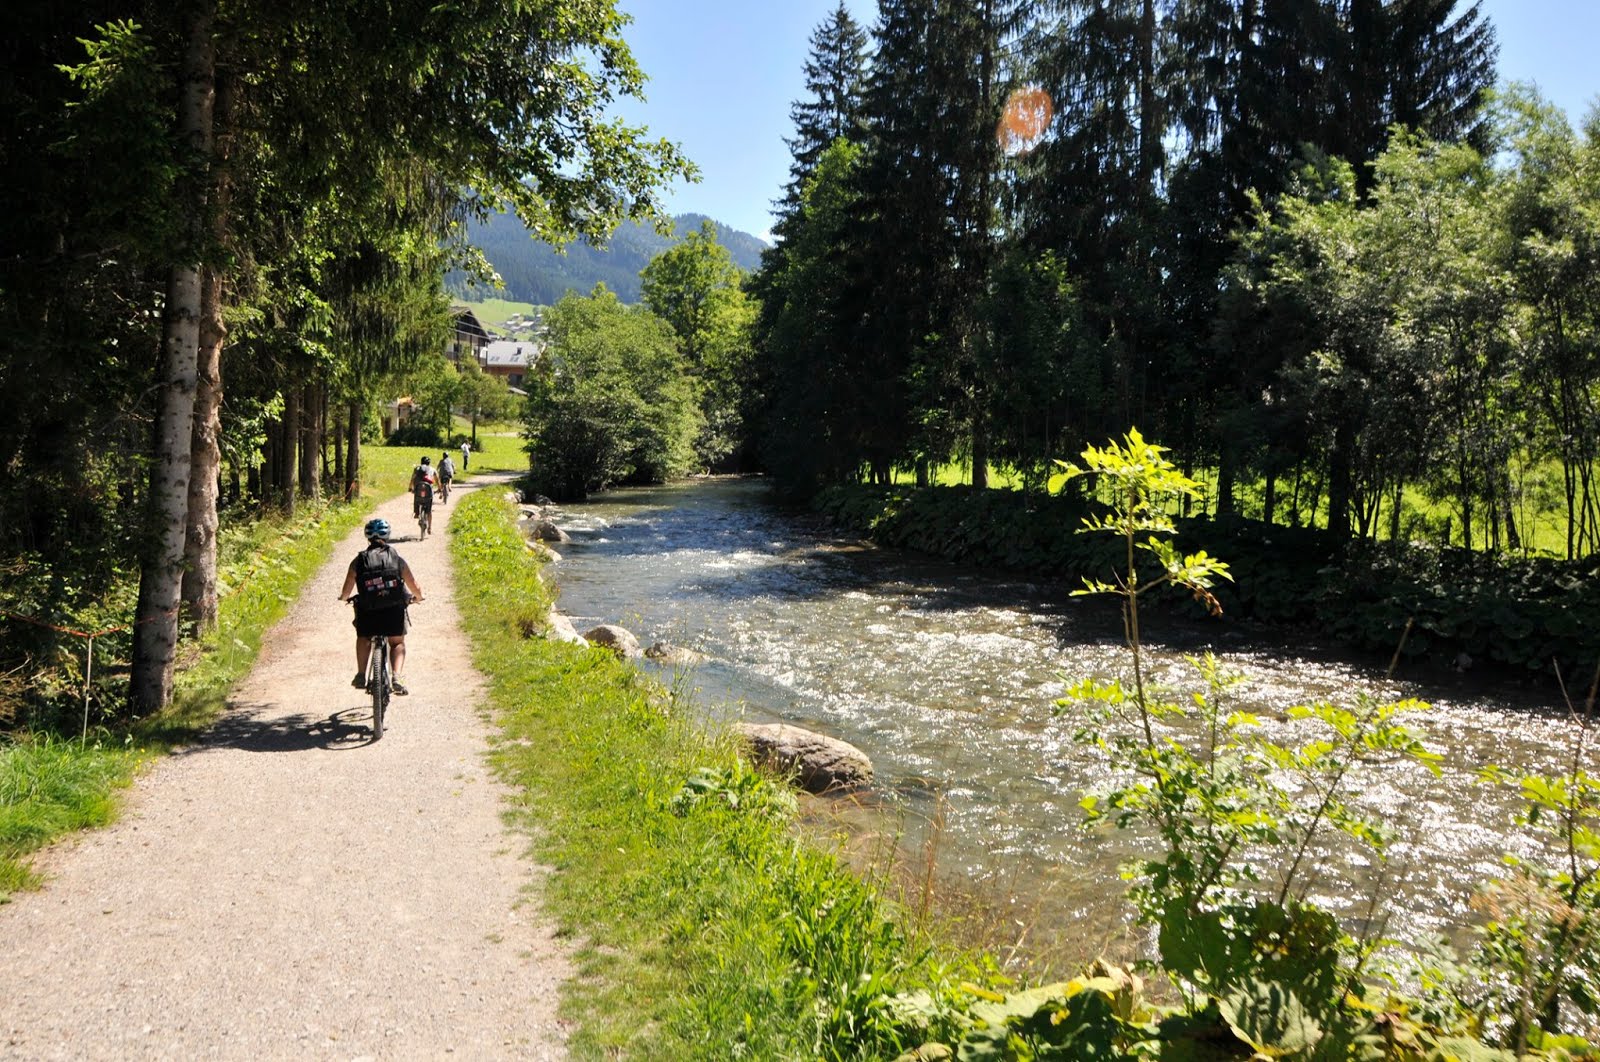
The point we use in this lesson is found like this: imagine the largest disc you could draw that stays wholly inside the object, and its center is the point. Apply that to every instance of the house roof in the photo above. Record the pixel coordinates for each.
(467, 323)
(511, 353)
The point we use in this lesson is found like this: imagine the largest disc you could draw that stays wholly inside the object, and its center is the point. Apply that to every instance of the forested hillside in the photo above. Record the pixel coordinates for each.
(536, 272)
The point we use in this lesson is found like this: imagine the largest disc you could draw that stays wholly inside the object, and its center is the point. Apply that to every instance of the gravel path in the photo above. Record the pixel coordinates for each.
(288, 888)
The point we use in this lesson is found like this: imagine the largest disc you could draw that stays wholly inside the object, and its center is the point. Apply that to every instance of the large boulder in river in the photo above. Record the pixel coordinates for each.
(822, 764)
(618, 640)
(669, 655)
(546, 531)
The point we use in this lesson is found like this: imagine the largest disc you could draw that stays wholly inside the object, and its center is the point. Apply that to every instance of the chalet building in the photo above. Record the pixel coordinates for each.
(469, 337)
(511, 359)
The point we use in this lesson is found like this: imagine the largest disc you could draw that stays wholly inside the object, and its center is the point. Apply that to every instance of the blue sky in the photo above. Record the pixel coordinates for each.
(723, 74)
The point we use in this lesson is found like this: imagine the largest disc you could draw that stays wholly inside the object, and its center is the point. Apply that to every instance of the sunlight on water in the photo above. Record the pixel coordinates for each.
(946, 678)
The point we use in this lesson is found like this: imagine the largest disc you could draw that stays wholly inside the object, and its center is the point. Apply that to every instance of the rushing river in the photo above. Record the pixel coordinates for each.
(945, 676)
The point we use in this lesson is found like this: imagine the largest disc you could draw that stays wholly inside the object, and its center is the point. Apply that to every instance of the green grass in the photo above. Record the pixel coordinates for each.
(48, 787)
(493, 313)
(708, 930)
(959, 474)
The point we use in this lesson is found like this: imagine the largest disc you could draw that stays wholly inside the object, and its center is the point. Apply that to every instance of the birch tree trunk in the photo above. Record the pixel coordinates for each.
(205, 453)
(161, 566)
(205, 457)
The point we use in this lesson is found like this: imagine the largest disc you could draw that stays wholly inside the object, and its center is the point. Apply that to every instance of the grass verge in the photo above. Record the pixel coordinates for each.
(708, 929)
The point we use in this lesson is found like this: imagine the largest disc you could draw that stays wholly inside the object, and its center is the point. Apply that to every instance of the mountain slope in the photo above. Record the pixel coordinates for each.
(536, 272)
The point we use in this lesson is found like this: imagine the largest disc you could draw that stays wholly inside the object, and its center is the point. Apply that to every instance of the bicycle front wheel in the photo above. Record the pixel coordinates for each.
(380, 685)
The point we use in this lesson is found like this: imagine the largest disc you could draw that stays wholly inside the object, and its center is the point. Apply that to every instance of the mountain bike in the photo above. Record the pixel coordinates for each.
(444, 490)
(380, 682)
(425, 519)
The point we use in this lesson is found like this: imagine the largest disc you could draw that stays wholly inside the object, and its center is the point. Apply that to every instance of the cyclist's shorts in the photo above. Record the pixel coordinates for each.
(389, 622)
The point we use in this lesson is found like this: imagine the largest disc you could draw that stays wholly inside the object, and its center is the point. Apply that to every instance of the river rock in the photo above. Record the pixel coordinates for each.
(562, 630)
(546, 531)
(823, 764)
(674, 655)
(618, 640)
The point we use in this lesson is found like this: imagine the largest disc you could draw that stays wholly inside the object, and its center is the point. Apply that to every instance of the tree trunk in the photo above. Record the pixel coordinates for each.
(161, 566)
(1339, 483)
(1227, 475)
(339, 437)
(980, 448)
(310, 445)
(200, 546)
(1269, 497)
(352, 470)
(288, 437)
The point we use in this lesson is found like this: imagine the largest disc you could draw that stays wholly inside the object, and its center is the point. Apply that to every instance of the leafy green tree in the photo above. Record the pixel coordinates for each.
(483, 397)
(611, 402)
(1551, 248)
(436, 389)
(695, 287)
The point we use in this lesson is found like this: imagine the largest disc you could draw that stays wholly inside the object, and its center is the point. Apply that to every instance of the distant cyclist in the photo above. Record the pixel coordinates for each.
(446, 473)
(423, 479)
(382, 585)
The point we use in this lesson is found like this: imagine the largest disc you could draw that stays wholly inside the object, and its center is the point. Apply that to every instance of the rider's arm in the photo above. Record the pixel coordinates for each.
(349, 582)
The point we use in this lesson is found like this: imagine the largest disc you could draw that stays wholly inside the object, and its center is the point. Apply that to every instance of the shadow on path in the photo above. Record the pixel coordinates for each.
(245, 728)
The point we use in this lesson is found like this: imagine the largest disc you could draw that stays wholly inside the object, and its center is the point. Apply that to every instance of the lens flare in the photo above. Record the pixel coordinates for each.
(1024, 121)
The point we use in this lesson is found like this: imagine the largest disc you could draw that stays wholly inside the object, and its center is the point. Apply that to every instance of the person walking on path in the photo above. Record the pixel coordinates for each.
(380, 583)
(287, 888)
(466, 452)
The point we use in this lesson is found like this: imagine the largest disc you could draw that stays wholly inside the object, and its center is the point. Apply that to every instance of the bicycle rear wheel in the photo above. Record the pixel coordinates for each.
(379, 684)
(425, 522)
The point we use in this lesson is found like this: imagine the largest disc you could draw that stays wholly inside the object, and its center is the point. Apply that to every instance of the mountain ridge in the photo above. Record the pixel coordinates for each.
(536, 272)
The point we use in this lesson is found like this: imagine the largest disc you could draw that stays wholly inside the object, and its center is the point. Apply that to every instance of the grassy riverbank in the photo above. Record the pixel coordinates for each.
(60, 772)
(706, 928)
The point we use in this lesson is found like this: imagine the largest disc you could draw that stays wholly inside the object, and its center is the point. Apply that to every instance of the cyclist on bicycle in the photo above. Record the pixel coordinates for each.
(446, 473)
(382, 585)
(422, 481)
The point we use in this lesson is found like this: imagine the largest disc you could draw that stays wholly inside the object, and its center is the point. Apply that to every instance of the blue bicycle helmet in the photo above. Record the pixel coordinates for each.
(378, 529)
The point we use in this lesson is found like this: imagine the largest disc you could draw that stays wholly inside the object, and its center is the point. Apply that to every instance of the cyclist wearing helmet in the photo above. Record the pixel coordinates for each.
(422, 483)
(382, 585)
(446, 471)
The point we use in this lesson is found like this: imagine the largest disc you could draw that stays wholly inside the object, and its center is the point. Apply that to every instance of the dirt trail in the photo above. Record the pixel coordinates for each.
(289, 889)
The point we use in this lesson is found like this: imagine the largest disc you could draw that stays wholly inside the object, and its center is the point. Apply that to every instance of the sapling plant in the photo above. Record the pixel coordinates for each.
(1535, 974)
(1237, 815)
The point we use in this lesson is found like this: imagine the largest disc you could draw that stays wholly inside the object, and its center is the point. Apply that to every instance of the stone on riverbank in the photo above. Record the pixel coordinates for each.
(674, 655)
(823, 764)
(562, 630)
(618, 640)
(546, 531)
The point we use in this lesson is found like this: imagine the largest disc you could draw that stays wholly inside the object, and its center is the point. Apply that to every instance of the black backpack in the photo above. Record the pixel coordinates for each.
(378, 581)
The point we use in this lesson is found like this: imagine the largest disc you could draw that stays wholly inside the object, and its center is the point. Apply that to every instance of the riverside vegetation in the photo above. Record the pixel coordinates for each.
(679, 868)
(1526, 615)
